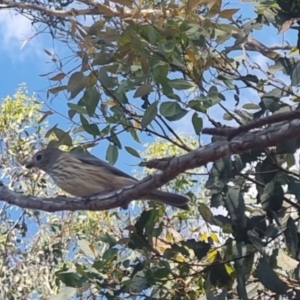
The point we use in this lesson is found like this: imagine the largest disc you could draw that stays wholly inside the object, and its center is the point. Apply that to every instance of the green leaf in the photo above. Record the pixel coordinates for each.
(103, 58)
(132, 152)
(240, 250)
(134, 133)
(110, 255)
(256, 241)
(63, 137)
(65, 293)
(295, 76)
(144, 89)
(172, 111)
(85, 247)
(269, 278)
(108, 239)
(251, 106)
(167, 47)
(214, 95)
(197, 123)
(270, 99)
(272, 196)
(234, 202)
(76, 84)
(70, 279)
(149, 115)
(205, 212)
(174, 250)
(152, 33)
(112, 154)
(294, 187)
(249, 77)
(91, 99)
(89, 128)
(71, 113)
(106, 81)
(79, 109)
(291, 237)
(200, 248)
(162, 273)
(181, 84)
(114, 139)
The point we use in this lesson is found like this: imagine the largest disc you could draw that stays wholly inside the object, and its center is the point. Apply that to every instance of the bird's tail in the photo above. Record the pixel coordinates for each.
(176, 200)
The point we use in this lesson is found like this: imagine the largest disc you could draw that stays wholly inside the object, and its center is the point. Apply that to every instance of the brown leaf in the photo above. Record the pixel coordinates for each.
(48, 52)
(228, 13)
(58, 77)
(105, 10)
(46, 74)
(46, 114)
(192, 4)
(286, 25)
(57, 89)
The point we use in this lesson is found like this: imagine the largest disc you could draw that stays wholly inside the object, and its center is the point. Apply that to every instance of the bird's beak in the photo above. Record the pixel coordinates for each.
(29, 165)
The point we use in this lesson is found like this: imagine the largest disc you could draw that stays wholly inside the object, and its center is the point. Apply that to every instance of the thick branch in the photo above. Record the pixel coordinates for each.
(230, 132)
(170, 167)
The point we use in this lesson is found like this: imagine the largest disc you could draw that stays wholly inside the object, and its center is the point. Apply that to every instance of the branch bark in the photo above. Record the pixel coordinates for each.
(170, 168)
(231, 132)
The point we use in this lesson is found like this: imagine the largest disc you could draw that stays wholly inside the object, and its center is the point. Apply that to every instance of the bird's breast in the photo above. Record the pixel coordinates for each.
(83, 179)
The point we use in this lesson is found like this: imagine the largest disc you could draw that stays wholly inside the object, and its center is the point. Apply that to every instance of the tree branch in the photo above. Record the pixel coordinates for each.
(170, 168)
(230, 132)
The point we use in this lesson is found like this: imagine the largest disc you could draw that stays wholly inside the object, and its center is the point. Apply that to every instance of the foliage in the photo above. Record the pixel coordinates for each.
(143, 68)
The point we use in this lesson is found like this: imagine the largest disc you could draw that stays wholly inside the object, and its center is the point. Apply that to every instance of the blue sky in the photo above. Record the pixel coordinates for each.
(22, 60)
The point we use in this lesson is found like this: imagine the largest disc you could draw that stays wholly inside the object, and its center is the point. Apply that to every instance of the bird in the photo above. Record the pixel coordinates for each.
(83, 174)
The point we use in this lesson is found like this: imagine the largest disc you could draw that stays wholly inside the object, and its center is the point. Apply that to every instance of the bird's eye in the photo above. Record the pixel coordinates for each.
(39, 157)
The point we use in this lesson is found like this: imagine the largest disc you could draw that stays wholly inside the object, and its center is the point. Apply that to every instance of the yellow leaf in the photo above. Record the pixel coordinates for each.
(214, 237)
(211, 255)
(191, 56)
(273, 55)
(294, 50)
(110, 102)
(203, 236)
(169, 238)
(229, 269)
(137, 124)
(179, 259)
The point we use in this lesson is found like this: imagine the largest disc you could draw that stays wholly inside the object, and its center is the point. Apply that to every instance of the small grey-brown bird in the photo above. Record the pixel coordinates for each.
(83, 174)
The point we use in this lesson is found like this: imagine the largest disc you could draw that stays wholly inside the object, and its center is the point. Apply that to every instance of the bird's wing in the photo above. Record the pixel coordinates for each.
(90, 159)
